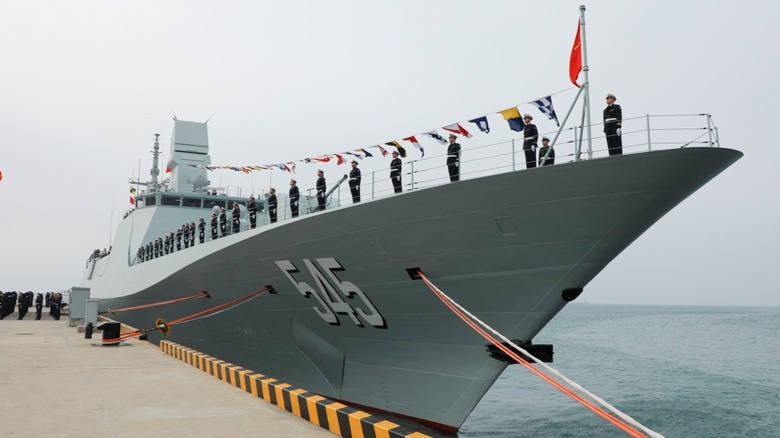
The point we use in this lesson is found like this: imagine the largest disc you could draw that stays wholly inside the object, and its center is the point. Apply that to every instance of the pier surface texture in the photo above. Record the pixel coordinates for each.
(56, 383)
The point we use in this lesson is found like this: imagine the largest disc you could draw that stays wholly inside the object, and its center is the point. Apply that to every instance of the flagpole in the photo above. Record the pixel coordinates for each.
(586, 85)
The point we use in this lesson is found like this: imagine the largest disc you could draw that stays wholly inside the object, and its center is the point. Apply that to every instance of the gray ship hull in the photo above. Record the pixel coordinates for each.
(350, 323)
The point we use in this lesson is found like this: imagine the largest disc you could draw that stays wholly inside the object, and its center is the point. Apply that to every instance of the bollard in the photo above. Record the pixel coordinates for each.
(110, 332)
(88, 330)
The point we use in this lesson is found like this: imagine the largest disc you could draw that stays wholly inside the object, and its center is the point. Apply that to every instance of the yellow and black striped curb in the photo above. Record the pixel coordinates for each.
(336, 417)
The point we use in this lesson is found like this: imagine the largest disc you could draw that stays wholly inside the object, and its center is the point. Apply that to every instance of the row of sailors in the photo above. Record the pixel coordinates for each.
(172, 242)
(24, 300)
(219, 228)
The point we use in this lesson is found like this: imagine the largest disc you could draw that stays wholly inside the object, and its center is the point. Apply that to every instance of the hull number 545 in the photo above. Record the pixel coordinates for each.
(334, 297)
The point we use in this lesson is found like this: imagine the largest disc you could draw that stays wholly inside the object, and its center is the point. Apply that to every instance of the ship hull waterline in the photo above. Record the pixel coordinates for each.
(503, 246)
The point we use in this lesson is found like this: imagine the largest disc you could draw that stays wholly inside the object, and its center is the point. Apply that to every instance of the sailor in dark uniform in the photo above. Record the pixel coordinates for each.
(178, 239)
(192, 233)
(138, 255)
(354, 182)
(543, 151)
(213, 226)
(201, 230)
(38, 305)
(530, 141)
(167, 244)
(173, 239)
(613, 118)
(295, 195)
(251, 207)
(453, 159)
(321, 188)
(395, 172)
(222, 222)
(234, 216)
(272, 205)
(185, 231)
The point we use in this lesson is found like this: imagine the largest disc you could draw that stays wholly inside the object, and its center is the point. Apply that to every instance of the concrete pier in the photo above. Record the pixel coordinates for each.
(53, 382)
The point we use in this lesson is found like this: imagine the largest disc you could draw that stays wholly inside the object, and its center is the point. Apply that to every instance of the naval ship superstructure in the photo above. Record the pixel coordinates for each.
(350, 319)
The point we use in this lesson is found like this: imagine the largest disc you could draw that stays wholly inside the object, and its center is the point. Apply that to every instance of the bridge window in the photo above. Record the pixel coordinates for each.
(191, 202)
(171, 200)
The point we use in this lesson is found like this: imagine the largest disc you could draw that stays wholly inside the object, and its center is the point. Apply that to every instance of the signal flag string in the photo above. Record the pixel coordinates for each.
(470, 319)
(163, 326)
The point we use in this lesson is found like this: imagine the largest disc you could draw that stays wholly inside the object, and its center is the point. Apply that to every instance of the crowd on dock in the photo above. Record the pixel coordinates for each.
(23, 301)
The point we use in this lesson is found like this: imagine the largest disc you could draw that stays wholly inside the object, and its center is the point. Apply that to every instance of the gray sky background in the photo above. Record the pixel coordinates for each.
(85, 85)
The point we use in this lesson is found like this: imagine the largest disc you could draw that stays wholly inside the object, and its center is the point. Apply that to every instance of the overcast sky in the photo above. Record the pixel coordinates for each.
(84, 85)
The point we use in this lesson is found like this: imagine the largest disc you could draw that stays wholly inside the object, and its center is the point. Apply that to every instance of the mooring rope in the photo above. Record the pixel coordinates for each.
(203, 294)
(475, 323)
(164, 326)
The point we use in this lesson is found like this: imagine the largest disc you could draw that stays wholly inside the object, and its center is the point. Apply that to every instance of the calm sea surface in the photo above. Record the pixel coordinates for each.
(682, 371)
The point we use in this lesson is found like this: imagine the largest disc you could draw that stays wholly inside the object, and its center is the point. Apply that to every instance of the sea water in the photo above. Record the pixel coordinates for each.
(682, 371)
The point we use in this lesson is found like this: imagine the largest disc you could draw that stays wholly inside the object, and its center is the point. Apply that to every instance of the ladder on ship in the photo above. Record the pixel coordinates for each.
(92, 269)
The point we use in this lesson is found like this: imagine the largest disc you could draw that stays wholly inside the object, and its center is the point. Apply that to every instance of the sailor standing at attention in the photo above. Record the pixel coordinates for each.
(235, 215)
(543, 152)
(395, 172)
(354, 182)
(321, 188)
(530, 141)
(453, 159)
(295, 195)
(272, 204)
(201, 230)
(613, 117)
(251, 207)
(185, 231)
(222, 222)
(213, 226)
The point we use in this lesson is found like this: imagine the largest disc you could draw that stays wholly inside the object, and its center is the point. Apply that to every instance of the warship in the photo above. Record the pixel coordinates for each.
(344, 313)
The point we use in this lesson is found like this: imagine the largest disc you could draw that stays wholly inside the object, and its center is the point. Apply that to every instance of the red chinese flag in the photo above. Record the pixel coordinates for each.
(575, 62)
(132, 200)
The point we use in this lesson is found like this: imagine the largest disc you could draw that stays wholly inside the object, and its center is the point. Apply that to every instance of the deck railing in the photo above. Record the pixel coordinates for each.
(639, 134)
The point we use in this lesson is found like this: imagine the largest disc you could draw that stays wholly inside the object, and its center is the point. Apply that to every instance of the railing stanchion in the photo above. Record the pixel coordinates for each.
(649, 145)
(576, 146)
(717, 137)
(373, 183)
(709, 127)
(513, 155)
(412, 175)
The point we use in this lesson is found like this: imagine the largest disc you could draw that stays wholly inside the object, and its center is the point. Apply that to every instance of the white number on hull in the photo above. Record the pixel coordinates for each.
(331, 301)
(306, 290)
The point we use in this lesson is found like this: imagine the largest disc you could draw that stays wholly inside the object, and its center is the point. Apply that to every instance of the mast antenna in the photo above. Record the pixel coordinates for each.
(155, 172)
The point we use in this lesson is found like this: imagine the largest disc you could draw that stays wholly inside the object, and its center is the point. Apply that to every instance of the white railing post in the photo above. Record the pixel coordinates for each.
(513, 155)
(717, 137)
(649, 147)
(709, 128)
(576, 146)
(412, 176)
(373, 183)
